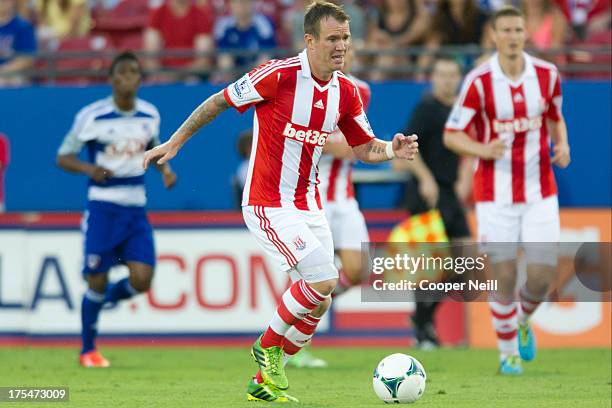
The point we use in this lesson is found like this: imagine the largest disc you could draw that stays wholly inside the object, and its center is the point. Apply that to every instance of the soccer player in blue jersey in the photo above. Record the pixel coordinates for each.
(116, 131)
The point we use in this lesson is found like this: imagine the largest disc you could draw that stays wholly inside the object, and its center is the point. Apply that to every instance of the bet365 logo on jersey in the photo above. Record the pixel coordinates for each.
(517, 125)
(305, 135)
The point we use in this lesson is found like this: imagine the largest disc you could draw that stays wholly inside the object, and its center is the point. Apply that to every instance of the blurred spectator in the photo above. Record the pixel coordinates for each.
(398, 24)
(273, 9)
(5, 158)
(25, 10)
(591, 22)
(243, 147)
(16, 37)
(121, 22)
(208, 8)
(57, 19)
(178, 25)
(546, 25)
(294, 23)
(456, 22)
(589, 18)
(243, 30)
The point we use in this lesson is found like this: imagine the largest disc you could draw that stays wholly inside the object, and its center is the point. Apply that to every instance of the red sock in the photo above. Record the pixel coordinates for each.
(505, 323)
(528, 304)
(300, 334)
(297, 302)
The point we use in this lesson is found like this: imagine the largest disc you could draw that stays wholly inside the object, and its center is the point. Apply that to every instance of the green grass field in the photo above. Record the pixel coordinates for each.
(215, 377)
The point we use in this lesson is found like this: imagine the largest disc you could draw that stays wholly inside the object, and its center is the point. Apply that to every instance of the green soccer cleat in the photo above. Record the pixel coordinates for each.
(267, 393)
(526, 341)
(270, 362)
(305, 359)
(511, 366)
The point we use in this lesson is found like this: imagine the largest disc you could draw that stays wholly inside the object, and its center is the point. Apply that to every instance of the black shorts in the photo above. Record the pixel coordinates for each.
(451, 210)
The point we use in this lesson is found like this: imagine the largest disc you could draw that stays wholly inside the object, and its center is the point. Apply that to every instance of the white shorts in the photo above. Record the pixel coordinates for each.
(347, 224)
(513, 223)
(288, 235)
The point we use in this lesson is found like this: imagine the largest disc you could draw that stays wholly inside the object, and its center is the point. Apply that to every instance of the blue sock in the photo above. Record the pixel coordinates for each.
(90, 310)
(119, 290)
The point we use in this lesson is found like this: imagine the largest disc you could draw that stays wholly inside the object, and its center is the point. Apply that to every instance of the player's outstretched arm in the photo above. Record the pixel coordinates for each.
(376, 150)
(200, 117)
(461, 143)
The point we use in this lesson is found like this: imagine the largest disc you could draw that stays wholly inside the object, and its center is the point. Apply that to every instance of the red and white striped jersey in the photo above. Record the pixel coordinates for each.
(294, 115)
(516, 112)
(335, 174)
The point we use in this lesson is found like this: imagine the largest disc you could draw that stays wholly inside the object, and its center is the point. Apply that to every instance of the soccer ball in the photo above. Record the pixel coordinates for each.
(399, 379)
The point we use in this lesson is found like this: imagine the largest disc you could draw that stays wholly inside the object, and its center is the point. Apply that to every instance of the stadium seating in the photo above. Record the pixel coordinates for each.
(127, 19)
(77, 57)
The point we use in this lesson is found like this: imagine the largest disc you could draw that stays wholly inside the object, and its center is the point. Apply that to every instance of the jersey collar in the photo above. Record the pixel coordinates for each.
(307, 74)
(121, 112)
(498, 74)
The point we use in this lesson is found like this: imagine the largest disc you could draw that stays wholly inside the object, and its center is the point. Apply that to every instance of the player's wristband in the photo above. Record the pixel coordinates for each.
(389, 150)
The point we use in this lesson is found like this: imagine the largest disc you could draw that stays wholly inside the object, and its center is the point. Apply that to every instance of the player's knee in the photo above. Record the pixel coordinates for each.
(141, 276)
(325, 287)
(141, 284)
(353, 273)
(97, 282)
(351, 265)
(323, 307)
(539, 279)
(321, 276)
(505, 275)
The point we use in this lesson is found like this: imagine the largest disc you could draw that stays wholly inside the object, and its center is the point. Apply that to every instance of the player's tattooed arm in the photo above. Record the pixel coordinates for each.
(376, 150)
(200, 117)
(372, 152)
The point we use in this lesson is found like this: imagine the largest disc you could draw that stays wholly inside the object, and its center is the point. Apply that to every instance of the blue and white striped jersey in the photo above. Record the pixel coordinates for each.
(115, 140)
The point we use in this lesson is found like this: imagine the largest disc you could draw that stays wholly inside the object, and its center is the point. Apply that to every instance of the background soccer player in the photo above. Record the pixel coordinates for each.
(117, 130)
(298, 103)
(440, 179)
(514, 102)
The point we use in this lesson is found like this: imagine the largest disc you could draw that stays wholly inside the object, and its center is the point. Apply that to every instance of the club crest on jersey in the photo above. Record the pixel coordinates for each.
(242, 87)
(305, 135)
(299, 243)
(93, 261)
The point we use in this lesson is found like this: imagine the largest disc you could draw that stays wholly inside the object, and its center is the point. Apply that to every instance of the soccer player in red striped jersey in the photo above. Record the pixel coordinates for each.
(298, 103)
(346, 221)
(513, 103)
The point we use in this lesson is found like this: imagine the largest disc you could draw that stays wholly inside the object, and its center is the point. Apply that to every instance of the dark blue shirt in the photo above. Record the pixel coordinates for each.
(259, 36)
(16, 36)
